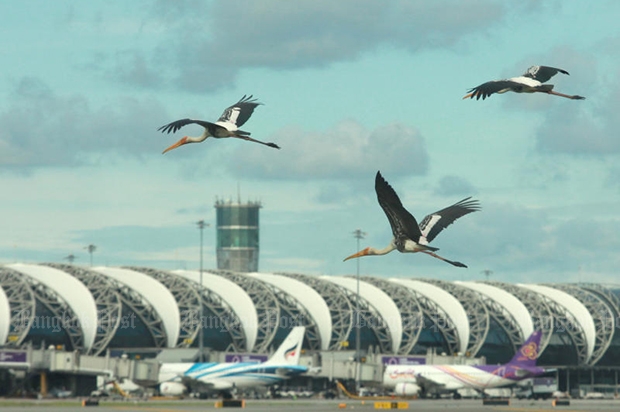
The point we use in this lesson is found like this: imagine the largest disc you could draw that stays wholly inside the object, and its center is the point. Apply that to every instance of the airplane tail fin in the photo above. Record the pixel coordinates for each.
(528, 353)
(289, 351)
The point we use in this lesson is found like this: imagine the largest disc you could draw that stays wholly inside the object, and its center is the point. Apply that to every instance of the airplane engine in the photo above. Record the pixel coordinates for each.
(172, 389)
(406, 389)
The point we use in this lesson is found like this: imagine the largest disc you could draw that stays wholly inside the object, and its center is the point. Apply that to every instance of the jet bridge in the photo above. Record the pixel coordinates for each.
(78, 367)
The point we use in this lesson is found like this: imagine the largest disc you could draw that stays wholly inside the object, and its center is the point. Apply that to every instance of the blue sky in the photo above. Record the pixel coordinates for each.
(349, 88)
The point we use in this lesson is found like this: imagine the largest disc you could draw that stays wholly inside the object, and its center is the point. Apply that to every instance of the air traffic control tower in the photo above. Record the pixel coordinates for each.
(237, 235)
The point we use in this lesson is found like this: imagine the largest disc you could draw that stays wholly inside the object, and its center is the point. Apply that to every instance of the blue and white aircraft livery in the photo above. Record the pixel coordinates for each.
(178, 378)
(409, 380)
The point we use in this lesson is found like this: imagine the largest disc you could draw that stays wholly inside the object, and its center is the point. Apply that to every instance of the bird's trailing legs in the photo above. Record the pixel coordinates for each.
(568, 96)
(248, 138)
(454, 263)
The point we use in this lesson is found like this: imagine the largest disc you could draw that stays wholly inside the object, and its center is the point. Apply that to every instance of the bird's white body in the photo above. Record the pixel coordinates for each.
(529, 85)
(228, 120)
(228, 126)
(414, 247)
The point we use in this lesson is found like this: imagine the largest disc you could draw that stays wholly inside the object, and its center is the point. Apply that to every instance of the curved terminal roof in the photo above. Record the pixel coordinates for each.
(5, 317)
(574, 307)
(507, 300)
(156, 294)
(72, 291)
(235, 297)
(308, 297)
(451, 306)
(384, 305)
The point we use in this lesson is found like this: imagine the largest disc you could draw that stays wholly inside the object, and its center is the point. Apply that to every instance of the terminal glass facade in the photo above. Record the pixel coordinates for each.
(47, 328)
(430, 338)
(497, 346)
(132, 332)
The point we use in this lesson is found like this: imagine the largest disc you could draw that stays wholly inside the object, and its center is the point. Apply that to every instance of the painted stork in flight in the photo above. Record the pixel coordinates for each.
(530, 82)
(226, 126)
(409, 237)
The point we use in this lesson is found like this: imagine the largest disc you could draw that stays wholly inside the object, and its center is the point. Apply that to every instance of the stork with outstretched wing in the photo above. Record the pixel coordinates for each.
(530, 82)
(409, 237)
(227, 125)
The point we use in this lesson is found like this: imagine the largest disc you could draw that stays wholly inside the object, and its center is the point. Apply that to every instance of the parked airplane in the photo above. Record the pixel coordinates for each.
(179, 378)
(423, 380)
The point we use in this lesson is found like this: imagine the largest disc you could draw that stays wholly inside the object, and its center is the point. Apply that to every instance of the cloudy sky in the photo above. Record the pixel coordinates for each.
(349, 87)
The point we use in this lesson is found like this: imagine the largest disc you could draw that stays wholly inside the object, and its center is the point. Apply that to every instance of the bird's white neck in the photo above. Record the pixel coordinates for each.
(197, 139)
(384, 251)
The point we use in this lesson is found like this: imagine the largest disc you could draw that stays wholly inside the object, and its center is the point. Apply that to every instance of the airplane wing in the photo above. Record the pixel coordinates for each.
(197, 385)
(430, 384)
(220, 385)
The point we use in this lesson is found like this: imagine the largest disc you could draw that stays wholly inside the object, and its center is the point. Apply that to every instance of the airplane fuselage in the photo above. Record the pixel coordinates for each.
(452, 377)
(223, 376)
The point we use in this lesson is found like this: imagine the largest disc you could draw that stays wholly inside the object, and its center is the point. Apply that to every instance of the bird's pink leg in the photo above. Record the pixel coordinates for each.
(249, 139)
(575, 97)
(454, 263)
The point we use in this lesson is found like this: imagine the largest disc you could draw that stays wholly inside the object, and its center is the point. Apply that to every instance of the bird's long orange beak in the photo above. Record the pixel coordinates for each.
(177, 144)
(361, 253)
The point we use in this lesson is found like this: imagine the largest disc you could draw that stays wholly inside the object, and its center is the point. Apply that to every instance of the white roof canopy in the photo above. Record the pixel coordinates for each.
(308, 297)
(235, 297)
(72, 291)
(5, 317)
(572, 306)
(508, 301)
(380, 301)
(448, 303)
(156, 294)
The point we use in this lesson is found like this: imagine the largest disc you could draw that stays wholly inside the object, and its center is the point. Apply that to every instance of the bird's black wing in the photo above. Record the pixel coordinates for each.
(434, 223)
(240, 112)
(176, 125)
(543, 73)
(494, 86)
(402, 222)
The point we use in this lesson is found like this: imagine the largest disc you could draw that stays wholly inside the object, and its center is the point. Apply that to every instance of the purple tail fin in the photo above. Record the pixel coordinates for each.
(528, 353)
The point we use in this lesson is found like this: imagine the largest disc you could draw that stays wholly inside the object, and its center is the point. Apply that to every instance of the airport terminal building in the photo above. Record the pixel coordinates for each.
(95, 310)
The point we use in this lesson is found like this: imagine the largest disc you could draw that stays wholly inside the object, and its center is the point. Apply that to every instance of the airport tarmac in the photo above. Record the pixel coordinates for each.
(462, 405)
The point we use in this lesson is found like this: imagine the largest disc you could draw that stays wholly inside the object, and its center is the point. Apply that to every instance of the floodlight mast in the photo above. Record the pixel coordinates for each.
(201, 225)
(358, 234)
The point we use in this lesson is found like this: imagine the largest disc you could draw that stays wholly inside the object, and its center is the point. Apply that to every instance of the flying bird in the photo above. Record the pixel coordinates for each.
(530, 82)
(409, 237)
(227, 125)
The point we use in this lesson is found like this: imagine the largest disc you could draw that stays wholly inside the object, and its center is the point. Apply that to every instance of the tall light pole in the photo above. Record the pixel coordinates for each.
(201, 225)
(358, 234)
(487, 273)
(91, 248)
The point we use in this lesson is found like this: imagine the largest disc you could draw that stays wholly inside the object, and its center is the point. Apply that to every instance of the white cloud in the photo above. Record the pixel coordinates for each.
(582, 130)
(226, 37)
(41, 128)
(343, 152)
(516, 239)
(454, 186)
